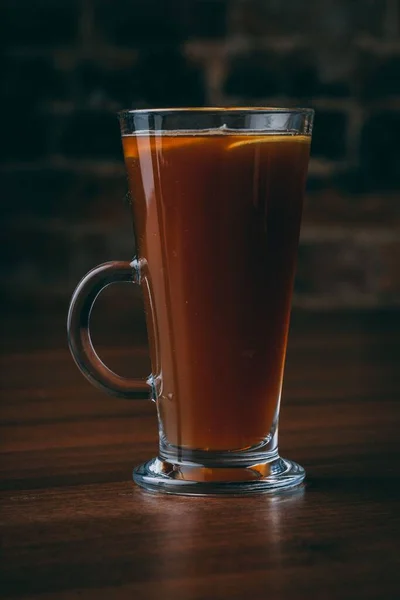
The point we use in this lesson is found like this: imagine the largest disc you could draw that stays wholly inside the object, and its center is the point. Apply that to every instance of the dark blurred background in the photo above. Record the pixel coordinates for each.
(69, 65)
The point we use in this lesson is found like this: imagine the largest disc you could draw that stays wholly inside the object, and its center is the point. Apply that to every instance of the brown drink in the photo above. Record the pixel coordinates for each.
(217, 219)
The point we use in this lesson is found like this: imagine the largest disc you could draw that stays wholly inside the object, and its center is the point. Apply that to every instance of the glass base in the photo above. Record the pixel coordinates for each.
(193, 479)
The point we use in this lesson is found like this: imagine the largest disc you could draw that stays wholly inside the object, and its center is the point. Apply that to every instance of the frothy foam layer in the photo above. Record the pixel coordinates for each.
(171, 141)
(223, 130)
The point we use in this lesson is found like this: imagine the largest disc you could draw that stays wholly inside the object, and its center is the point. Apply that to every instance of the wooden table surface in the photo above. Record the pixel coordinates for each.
(73, 524)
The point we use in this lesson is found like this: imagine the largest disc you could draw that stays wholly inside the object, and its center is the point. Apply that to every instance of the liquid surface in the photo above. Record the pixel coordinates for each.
(217, 219)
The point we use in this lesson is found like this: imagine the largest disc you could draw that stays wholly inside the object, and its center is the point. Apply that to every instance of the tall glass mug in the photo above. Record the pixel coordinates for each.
(217, 198)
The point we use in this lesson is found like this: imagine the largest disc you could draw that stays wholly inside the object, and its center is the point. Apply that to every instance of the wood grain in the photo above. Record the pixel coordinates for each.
(73, 524)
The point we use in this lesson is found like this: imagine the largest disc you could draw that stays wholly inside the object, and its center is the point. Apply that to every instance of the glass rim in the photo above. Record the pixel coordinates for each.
(217, 109)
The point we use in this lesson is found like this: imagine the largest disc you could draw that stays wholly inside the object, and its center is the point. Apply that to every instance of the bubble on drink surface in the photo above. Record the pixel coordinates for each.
(128, 198)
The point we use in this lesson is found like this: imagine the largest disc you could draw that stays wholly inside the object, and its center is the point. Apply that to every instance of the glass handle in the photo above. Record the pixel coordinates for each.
(78, 327)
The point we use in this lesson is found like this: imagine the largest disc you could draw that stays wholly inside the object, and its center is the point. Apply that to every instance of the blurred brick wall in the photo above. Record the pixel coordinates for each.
(69, 65)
